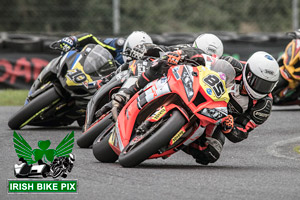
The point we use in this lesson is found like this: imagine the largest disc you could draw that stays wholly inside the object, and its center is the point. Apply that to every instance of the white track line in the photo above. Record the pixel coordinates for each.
(273, 148)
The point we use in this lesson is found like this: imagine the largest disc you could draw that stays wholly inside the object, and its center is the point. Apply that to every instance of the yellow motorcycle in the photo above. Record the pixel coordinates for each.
(287, 91)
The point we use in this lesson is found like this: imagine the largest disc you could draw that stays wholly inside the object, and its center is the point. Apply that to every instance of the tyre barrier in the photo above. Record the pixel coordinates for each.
(178, 38)
(252, 38)
(22, 43)
(46, 41)
(225, 36)
(2, 35)
(157, 39)
(31, 43)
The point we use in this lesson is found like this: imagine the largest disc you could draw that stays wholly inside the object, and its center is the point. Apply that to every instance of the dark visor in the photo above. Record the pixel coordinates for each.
(258, 84)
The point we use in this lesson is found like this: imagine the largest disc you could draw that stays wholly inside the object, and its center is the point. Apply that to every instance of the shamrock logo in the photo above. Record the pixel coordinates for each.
(24, 150)
(44, 152)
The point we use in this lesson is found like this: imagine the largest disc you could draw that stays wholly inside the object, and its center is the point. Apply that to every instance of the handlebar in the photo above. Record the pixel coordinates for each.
(55, 45)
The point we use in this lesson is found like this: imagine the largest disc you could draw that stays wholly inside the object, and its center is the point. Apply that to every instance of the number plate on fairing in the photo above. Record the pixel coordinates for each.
(76, 76)
(213, 84)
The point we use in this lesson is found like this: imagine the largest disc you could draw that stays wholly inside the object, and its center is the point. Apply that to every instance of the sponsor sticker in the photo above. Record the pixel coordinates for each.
(209, 91)
(177, 136)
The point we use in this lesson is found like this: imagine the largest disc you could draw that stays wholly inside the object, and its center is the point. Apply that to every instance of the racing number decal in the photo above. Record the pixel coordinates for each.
(215, 84)
(77, 76)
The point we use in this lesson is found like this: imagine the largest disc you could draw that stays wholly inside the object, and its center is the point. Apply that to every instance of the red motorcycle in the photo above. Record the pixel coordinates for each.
(163, 117)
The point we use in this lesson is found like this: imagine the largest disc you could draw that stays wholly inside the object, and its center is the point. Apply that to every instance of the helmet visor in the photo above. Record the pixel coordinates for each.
(258, 84)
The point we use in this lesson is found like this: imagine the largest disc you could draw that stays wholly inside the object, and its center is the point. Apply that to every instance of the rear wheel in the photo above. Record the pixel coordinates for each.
(102, 150)
(33, 109)
(136, 152)
(89, 136)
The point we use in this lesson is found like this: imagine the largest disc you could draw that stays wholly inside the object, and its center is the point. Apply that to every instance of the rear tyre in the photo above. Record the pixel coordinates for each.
(89, 136)
(32, 110)
(151, 145)
(102, 150)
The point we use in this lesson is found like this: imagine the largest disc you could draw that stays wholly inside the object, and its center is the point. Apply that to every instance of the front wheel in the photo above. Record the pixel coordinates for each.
(89, 136)
(102, 150)
(133, 156)
(33, 109)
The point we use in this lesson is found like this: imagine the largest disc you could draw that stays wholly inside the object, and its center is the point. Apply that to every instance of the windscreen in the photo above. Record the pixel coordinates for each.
(99, 62)
(227, 69)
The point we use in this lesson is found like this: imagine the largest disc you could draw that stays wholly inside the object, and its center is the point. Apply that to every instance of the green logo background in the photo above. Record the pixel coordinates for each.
(24, 150)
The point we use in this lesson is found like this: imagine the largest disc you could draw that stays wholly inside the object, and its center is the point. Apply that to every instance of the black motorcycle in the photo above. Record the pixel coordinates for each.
(63, 89)
(98, 116)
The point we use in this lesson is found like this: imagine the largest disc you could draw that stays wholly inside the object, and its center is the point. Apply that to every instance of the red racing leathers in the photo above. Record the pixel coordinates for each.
(247, 113)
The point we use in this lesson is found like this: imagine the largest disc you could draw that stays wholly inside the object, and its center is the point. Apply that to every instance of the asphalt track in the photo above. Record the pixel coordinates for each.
(265, 166)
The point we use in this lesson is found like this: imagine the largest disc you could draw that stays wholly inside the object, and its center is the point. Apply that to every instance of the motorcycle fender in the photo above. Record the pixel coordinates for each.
(49, 71)
(61, 65)
(40, 90)
(174, 106)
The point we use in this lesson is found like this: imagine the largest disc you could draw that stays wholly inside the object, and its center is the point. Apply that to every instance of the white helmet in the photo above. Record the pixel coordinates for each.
(135, 38)
(260, 75)
(210, 44)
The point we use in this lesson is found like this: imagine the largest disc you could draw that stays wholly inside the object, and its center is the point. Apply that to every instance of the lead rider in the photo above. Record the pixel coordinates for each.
(249, 106)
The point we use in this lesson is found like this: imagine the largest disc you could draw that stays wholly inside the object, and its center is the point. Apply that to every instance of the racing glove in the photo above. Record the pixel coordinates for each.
(138, 52)
(227, 124)
(67, 43)
(118, 102)
(104, 109)
(173, 58)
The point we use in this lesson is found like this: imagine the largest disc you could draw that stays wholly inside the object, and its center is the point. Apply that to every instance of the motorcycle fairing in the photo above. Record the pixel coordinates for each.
(291, 69)
(166, 86)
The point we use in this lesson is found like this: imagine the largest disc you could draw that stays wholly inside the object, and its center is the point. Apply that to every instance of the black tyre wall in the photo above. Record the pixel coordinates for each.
(34, 106)
(88, 137)
(103, 152)
(151, 146)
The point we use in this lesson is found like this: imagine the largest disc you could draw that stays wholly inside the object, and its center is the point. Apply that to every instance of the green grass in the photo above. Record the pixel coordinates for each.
(10, 97)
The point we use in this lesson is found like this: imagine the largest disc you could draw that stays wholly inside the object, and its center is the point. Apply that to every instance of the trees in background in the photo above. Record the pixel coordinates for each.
(155, 16)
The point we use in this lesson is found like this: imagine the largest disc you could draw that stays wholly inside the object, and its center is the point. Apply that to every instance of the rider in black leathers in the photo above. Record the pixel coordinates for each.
(114, 45)
(205, 43)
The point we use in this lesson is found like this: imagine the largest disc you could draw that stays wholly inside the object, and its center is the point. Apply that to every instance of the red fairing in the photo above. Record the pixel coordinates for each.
(184, 83)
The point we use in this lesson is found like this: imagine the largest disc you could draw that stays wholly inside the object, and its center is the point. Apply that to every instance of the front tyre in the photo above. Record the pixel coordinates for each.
(102, 150)
(89, 136)
(160, 138)
(33, 109)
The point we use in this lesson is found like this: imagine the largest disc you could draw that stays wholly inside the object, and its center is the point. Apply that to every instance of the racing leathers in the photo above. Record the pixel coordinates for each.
(245, 114)
(113, 45)
(136, 56)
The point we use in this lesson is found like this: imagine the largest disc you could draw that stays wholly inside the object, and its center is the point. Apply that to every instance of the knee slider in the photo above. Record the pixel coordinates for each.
(209, 155)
